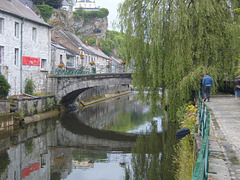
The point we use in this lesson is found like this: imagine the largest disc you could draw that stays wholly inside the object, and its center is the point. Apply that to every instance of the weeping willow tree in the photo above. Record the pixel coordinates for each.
(171, 42)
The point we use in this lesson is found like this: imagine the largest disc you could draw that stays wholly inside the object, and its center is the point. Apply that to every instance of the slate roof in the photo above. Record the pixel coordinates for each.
(98, 52)
(76, 42)
(65, 3)
(118, 61)
(16, 8)
(57, 46)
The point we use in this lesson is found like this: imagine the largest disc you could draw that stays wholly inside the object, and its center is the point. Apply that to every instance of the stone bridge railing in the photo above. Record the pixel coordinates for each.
(96, 69)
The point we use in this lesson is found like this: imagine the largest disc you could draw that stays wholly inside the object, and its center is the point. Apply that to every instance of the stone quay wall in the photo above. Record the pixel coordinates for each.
(4, 106)
(34, 105)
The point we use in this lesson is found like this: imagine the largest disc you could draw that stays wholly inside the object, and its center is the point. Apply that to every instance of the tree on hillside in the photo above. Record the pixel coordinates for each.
(81, 13)
(173, 42)
(54, 3)
(114, 41)
(45, 11)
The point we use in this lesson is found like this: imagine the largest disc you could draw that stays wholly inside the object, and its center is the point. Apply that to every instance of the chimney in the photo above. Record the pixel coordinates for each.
(86, 43)
(56, 39)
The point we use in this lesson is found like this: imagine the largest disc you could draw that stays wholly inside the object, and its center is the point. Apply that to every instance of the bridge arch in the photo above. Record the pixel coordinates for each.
(68, 88)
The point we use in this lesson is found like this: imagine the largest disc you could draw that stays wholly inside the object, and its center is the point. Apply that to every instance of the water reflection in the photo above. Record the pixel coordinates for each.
(93, 143)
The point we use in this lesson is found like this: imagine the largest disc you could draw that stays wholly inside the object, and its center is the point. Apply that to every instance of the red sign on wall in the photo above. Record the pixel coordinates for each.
(31, 61)
(30, 169)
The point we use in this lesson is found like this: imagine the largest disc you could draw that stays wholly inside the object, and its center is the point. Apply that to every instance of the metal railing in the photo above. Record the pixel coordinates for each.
(96, 69)
(201, 167)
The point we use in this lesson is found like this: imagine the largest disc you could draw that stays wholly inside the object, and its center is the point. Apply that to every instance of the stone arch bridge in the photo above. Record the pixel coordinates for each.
(68, 88)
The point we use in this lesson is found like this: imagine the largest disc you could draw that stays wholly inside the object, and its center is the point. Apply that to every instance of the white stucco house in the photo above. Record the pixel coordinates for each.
(87, 5)
(25, 46)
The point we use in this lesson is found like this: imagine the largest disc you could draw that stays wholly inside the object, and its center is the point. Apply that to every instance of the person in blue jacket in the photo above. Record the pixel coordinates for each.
(207, 83)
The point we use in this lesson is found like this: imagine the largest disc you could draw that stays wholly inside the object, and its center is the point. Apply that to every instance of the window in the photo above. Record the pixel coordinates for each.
(1, 54)
(34, 34)
(43, 64)
(1, 25)
(16, 56)
(61, 58)
(16, 30)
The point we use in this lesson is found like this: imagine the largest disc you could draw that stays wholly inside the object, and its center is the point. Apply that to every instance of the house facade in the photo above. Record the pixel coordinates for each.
(25, 48)
(83, 54)
(87, 5)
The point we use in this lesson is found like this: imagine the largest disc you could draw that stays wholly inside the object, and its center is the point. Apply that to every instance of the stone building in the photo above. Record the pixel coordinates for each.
(25, 46)
(75, 46)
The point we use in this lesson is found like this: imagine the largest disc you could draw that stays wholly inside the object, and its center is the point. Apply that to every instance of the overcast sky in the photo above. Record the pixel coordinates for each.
(112, 6)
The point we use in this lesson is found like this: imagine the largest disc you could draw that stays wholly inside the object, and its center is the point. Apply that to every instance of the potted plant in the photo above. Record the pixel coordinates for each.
(92, 63)
(60, 65)
(81, 56)
(123, 63)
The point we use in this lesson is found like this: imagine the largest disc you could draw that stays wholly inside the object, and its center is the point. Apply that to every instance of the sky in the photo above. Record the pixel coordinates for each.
(112, 6)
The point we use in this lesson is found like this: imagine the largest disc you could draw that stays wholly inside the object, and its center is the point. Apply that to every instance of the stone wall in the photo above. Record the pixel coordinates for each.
(4, 106)
(34, 105)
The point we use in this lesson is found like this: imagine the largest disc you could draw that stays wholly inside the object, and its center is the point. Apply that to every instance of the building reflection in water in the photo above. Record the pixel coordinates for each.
(86, 142)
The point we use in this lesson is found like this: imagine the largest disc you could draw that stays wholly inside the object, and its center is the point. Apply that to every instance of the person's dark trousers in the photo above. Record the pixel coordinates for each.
(207, 91)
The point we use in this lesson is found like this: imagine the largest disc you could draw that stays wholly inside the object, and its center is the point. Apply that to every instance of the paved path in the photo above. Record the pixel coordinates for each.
(224, 147)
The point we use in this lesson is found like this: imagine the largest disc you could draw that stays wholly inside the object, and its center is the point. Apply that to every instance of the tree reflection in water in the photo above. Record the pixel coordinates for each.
(146, 157)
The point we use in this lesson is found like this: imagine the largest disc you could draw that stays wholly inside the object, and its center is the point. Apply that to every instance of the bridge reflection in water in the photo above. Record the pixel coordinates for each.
(91, 144)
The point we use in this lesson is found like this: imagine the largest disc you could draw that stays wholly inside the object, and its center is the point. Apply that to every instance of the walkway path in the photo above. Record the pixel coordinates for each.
(224, 147)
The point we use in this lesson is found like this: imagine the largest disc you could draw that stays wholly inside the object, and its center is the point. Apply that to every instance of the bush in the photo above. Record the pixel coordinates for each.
(4, 87)
(45, 11)
(90, 14)
(29, 87)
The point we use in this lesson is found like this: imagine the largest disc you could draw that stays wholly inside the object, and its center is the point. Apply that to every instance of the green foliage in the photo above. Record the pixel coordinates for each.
(172, 42)
(5, 161)
(185, 158)
(146, 157)
(114, 41)
(4, 87)
(54, 3)
(31, 111)
(45, 11)
(29, 87)
(90, 14)
(21, 113)
(29, 146)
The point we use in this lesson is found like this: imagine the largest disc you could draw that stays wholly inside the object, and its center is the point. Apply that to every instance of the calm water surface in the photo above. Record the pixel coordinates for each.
(112, 140)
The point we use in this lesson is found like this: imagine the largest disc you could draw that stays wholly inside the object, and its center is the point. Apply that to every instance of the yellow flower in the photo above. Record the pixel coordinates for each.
(192, 117)
(192, 108)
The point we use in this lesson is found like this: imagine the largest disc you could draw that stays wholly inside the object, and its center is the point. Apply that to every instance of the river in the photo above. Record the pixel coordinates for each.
(111, 140)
